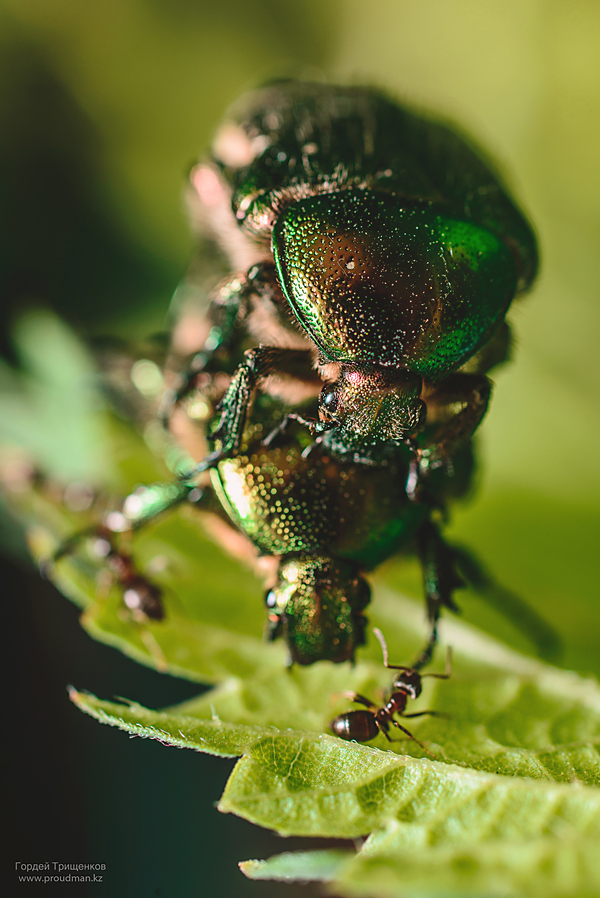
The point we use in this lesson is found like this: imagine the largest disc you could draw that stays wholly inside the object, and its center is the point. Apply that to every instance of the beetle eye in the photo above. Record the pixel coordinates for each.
(329, 398)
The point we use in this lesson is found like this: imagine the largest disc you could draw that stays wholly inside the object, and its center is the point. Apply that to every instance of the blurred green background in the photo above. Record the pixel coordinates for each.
(102, 109)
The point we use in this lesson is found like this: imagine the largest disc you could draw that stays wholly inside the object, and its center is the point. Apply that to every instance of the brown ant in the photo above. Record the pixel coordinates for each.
(364, 725)
(142, 599)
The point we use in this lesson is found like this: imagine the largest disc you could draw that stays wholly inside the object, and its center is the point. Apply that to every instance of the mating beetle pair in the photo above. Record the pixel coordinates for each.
(383, 255)
(341, 371)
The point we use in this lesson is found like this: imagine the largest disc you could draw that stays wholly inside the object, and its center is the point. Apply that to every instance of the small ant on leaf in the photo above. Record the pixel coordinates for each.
(142, 599)
(364, 725)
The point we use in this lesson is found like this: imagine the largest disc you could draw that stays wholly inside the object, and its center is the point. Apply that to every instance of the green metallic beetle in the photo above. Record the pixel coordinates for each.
(319, 524)
(328, 521)
(376, 256)
(324, 521)
(383, 255)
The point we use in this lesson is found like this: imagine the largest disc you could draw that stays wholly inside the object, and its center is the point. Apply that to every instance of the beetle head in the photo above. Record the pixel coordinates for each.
(316, 605)
(373, 404)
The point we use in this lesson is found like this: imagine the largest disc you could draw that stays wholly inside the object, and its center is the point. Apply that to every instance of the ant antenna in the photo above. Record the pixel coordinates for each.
(381, 640)
(438, 676)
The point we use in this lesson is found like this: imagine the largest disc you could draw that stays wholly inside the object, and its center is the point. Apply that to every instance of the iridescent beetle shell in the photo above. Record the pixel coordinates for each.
(328, 521)
(374, 279)
(394, 242)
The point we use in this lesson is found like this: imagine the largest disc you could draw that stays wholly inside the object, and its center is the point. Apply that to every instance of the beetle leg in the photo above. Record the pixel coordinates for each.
(455, 408)
(236, 403)
(440, 576)
(228, 308)
(539, 631)
(496, 351)
(246, 304)
(427, 653)
(440, 579)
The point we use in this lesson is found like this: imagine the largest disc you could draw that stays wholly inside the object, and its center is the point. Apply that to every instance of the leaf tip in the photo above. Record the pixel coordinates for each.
(297, 866)
(251, 868)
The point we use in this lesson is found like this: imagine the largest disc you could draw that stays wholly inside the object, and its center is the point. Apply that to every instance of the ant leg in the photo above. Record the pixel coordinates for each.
(422, 713)
(141, 597)
(448, 673)
(359, 699)
(410, 736)
(138, 509)
(66, 547)
(384, 730)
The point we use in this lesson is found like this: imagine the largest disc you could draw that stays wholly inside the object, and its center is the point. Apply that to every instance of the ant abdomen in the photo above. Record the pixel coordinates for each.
(360, 726)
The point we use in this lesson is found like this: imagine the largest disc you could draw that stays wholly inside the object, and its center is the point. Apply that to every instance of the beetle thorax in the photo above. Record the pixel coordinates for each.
(373, 403)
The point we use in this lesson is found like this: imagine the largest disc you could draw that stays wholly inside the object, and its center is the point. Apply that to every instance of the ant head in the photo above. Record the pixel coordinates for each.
(408, 681)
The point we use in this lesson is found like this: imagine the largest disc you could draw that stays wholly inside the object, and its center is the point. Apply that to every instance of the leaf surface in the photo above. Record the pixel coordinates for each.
(433, 828)
(510, 803)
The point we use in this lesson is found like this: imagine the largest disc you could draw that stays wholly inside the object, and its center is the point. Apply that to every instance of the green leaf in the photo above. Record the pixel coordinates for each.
(548, 867)
(298, 866)
(50, 411)
(524, 824)
(435, 828)
(510, 802)
(213, 737)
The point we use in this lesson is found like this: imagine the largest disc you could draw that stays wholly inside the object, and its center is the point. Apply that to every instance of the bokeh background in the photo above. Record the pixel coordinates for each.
(103, 106)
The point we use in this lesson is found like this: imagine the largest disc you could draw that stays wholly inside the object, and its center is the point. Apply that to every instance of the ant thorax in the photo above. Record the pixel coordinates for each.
(396, 703)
